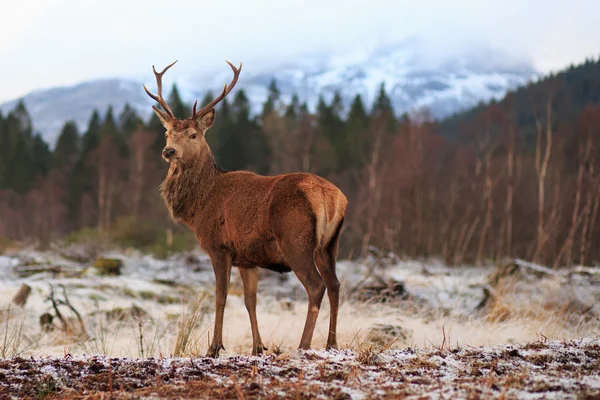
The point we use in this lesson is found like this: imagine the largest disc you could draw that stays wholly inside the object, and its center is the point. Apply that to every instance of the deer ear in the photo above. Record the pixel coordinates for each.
(206, 121)
(162, 116)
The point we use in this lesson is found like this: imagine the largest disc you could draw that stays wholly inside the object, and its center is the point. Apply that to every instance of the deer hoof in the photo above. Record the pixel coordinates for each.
(258, 349)
(213, 351)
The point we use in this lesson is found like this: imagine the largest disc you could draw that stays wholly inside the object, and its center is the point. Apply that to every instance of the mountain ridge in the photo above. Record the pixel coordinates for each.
(410, 77)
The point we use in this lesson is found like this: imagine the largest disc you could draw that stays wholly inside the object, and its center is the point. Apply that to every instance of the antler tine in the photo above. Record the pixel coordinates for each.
(159, 98)
(226, 90)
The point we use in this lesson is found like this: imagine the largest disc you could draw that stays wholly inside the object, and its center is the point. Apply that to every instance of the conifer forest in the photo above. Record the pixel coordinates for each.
(516, 177)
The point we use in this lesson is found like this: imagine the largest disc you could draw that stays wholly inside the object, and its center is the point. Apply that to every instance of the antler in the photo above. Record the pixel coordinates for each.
(226, 90)
(159, 98)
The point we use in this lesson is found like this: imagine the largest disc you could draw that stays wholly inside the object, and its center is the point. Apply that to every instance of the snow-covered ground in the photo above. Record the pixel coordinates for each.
(543, 369)
(435, 304)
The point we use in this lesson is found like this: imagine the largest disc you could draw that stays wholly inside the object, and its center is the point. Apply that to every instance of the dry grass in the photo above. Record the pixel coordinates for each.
(402, 348)
(12, 334)
(191, 318)
(185, 330)
(520, 312)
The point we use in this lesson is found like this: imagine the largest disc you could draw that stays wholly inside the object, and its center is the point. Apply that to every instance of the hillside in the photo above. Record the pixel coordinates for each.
(409, 75)
(571, 91)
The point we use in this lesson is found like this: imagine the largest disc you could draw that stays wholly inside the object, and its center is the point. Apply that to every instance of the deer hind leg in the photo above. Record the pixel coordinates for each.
(294, 227)
(222, 269)
(315, 288)
(326, 265)
(325, 260)
(250, 281)
(299, 254)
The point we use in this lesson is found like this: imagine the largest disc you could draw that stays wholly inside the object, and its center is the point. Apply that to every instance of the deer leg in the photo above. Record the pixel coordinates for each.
(326, 266)
(294, 230)
(326, 259)
(222, 270)
(302, 262)
(315, 288)
(250, 281)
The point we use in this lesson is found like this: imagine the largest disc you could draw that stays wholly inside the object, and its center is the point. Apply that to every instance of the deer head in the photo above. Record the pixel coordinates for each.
(185, 137)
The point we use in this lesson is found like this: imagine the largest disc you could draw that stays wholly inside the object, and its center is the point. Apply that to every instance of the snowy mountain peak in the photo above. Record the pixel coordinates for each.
(413, 76)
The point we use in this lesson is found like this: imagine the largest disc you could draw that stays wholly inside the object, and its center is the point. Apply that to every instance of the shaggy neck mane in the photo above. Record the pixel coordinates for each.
(186, 185)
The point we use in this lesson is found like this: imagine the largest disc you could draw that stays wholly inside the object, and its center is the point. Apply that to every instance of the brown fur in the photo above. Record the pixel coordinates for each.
(289, 222)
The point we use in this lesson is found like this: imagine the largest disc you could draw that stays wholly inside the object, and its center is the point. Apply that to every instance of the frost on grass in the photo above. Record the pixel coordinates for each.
(421, 304)
(551, 369)
(159, 308)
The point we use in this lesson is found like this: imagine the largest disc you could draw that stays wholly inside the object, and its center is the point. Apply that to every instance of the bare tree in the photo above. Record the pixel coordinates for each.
(543, 151)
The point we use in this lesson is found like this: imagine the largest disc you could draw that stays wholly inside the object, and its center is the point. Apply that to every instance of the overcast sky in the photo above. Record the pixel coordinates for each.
(46, 43)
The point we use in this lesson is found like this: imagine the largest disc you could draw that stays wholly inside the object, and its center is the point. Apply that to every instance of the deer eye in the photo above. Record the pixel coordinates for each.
(193, 136)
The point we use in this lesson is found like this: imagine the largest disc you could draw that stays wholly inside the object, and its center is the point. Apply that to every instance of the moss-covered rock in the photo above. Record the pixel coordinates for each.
(108, 266)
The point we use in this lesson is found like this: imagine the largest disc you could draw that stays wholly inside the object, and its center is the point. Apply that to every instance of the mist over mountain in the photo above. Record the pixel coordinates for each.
(413, 78)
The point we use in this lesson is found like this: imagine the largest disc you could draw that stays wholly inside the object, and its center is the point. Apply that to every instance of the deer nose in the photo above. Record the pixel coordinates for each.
(168, 152)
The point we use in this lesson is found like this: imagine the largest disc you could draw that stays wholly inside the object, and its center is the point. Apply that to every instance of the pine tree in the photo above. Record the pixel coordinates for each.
(332, 125)
(383, 111)
(252, 139)
(65, 158)
(220, 136)
(109, 128)
(383, 104)
(356, 135)
(176, 103)
(91, 137)
(23, 119)
(129, 121)
(292, 111)
(109, 125)
(41, 158)
(232, 137)
(21, 169)
(337, 105)
(4, 150)
(241, 108)
(322, 109)
(272, 103)
(80, 178)
(67, 145)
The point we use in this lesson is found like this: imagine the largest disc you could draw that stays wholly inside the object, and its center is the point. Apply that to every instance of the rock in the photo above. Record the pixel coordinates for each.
(21, 297)
(122, 314)
(382, 291)
(46, 322)
(383, 334)
(108, 266)
(25, 271)
(517, 270)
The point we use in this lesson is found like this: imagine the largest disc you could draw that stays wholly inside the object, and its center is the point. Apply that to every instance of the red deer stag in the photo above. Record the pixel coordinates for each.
(283, 223)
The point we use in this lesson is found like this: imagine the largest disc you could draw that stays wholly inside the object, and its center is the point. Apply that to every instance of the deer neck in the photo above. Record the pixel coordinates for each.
(186, 186)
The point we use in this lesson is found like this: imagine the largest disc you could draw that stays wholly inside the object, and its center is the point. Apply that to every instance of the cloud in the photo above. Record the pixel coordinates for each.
(55, 42)
(19, 22)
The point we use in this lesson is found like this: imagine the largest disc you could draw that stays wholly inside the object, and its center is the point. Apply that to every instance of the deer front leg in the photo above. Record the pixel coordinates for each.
(222, 270)
(250, 281)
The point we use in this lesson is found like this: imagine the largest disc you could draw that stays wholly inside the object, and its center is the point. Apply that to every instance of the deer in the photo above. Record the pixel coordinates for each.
(284, 223)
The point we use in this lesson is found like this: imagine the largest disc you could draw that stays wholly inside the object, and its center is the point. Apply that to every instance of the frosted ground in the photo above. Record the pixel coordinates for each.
(393, 311)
